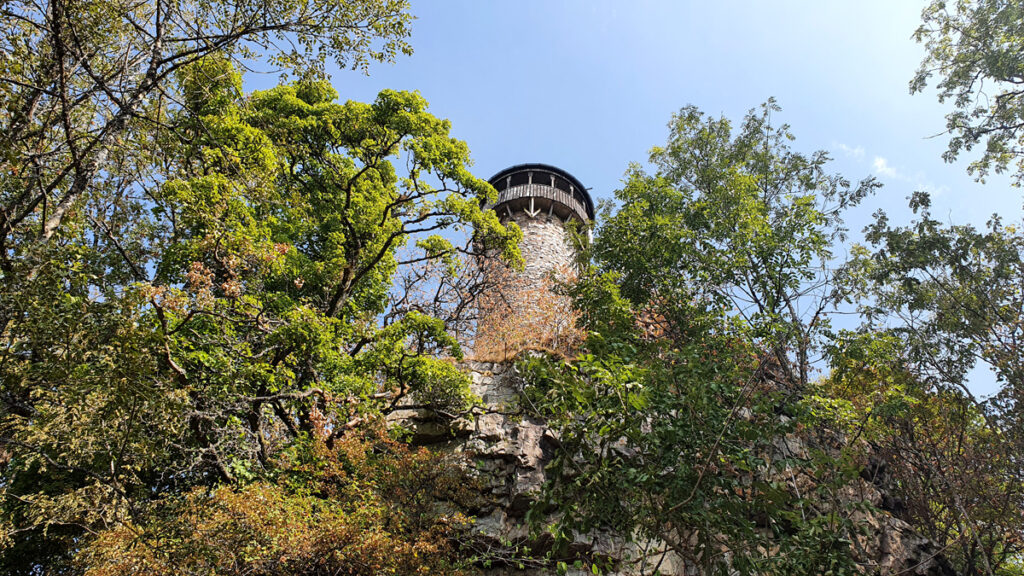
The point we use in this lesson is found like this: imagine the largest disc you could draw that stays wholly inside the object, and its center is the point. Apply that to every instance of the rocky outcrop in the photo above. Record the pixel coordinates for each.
(509, 452)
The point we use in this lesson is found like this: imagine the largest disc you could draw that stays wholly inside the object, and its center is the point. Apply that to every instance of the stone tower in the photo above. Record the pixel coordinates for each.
(520, 311)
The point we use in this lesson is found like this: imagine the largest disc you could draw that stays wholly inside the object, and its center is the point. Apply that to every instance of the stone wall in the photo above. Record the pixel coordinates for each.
(508, 452)
(522, 311)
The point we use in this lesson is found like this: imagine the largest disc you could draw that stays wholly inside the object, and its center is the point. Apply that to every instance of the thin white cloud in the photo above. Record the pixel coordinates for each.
(882, 168)
(855, 152)
(933, 189)
(920, 180)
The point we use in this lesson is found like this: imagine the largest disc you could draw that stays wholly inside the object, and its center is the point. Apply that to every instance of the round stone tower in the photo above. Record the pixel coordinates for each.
(520, 310)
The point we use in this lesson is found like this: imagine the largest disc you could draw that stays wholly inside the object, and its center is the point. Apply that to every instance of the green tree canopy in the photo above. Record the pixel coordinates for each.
(83, 83)
(225, 294)
(705, 296)
(745, 226)
(976, 49)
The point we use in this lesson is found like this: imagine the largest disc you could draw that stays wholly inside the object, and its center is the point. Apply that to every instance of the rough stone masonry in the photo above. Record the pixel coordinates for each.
(523, 310)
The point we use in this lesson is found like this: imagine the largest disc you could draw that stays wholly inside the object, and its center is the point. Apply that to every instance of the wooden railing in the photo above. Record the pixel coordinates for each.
(542, 191)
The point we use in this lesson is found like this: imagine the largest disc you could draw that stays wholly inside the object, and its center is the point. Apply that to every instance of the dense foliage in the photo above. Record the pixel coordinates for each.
(85, 83)
(948, 470)
(215, 306)
(698, 354)
(690, 420)
(974, 47)
(367, 506)
(222, 291)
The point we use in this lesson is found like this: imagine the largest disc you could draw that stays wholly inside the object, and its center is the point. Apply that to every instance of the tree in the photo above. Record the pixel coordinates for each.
(943, 300)
(746, 226)
(941, 466)
(975, 48)
(675, 445)
(82, 83)
(950, 293)
(680, 421)
(194, 320)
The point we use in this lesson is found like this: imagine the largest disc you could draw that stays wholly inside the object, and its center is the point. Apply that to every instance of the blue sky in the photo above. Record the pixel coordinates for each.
(589, 86)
